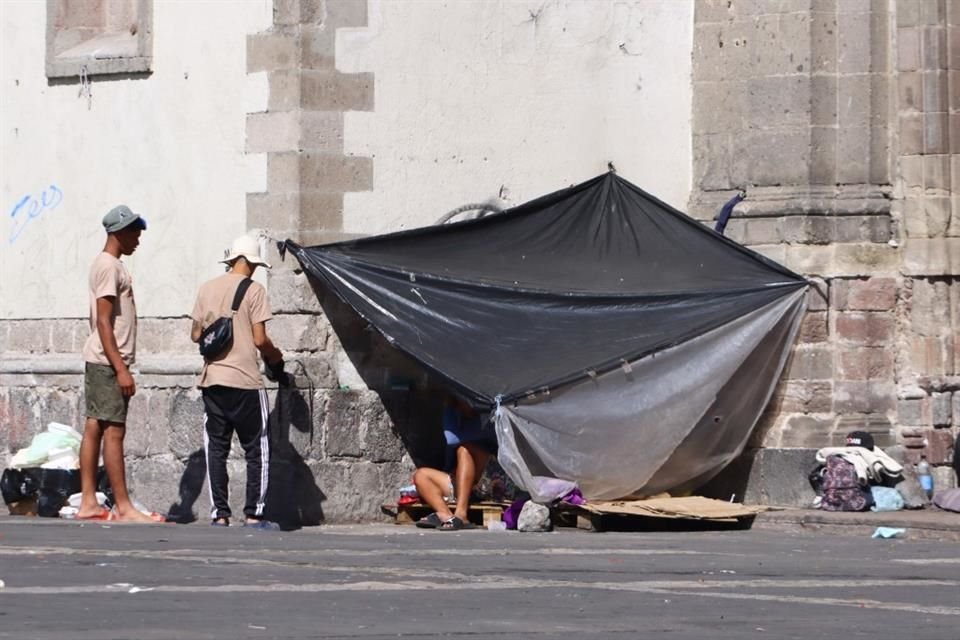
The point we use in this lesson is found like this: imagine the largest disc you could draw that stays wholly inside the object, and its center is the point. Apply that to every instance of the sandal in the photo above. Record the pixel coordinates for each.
(103, 514)
(431, 521)
(220, 522)
(455, 524)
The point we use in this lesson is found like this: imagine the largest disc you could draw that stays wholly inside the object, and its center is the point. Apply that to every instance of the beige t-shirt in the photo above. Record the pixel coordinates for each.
(109, 278)
(238, 367)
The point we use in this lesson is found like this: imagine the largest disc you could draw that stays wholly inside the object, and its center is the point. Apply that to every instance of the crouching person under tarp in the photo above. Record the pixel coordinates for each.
(470, 443)
(857, 477)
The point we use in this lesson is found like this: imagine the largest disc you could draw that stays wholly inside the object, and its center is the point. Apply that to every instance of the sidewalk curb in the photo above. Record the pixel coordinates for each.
(926, 524)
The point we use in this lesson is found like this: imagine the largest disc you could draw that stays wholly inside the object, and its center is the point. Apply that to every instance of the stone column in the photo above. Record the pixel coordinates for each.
(336, 444)
(928, 66)
(835, 117)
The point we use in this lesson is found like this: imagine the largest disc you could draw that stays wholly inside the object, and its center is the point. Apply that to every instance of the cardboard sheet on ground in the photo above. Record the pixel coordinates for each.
(690, 507)
(618, 345)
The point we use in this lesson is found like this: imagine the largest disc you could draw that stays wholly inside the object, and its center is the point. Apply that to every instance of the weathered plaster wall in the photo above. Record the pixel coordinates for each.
(478, 99)
(170, 144)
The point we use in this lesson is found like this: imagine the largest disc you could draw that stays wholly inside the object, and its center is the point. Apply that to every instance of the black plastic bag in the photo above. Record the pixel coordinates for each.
(56, 487)
(19, 484)
(51, 488)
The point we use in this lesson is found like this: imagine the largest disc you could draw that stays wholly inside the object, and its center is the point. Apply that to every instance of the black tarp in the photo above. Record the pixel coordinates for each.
(624, 345)
(565, 286)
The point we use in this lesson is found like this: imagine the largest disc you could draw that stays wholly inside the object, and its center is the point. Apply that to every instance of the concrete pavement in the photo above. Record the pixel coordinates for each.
(66, 579)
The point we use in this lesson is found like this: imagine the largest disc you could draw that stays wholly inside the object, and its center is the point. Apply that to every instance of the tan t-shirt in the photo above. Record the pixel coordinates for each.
(238, 367)
(109, 278)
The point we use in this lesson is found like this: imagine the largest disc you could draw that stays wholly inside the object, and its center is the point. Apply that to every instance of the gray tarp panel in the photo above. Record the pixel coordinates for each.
(573, 289)
(668, 421)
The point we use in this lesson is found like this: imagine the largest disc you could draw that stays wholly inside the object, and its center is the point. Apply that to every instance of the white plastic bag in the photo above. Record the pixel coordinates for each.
(65, 458)
(57, 440)
(534, 517)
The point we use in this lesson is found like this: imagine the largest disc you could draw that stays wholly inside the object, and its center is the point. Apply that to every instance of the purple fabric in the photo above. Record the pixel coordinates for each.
(948, 499)
(574, 497)
(512, 513)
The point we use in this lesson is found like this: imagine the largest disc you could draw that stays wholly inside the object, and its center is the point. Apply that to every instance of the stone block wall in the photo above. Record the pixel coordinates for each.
(856, 189)
(336, 453)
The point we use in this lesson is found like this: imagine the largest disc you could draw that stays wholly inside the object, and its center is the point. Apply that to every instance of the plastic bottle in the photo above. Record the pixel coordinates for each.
(923, 475)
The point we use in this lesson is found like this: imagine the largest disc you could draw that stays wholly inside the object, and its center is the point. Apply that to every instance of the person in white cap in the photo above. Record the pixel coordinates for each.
(108, 353)
(234, 398)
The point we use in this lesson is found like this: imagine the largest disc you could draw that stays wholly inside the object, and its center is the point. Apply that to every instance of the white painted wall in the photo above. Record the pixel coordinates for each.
(170, 146)
(472, 95)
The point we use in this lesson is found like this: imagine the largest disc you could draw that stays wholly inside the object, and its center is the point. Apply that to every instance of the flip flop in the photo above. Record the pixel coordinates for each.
(431, 521)
(455, 524)
(156, 517)
(220, 522)
(105, 514)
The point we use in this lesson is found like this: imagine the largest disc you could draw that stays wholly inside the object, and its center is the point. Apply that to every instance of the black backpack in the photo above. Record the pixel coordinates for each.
(218, 337)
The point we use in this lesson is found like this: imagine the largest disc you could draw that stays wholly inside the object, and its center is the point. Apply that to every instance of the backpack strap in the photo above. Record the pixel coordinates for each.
(241, 290)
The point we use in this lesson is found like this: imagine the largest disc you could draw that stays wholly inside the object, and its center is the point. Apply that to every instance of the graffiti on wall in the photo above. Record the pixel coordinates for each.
(30, 207)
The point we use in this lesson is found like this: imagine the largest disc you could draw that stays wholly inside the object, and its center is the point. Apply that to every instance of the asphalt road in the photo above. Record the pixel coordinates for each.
(71, 580)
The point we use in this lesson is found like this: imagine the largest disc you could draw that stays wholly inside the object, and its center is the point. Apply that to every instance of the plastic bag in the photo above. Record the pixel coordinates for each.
(49, 488)
(56, 486)
(19, 484)
(57, 439)
(886, 499)
(65, 458)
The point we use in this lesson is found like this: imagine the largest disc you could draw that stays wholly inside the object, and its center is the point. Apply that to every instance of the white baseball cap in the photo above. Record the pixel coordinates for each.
(247, 248)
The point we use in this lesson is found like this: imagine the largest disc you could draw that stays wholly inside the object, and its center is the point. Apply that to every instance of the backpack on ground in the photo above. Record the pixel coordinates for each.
(841, 487)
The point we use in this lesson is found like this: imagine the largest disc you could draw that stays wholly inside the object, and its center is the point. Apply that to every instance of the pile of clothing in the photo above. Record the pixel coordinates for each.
(858, 477)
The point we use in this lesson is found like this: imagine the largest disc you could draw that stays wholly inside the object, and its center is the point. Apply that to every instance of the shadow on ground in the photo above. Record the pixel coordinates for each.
(293, 498)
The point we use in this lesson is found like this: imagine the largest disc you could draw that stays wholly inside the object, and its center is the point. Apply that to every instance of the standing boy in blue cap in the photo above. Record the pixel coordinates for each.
(108, 353)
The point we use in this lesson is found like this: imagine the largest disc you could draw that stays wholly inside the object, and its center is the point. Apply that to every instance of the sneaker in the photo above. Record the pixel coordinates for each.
(263, 525)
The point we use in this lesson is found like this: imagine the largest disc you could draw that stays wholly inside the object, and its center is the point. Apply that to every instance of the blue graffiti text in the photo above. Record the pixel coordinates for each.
(30, 207)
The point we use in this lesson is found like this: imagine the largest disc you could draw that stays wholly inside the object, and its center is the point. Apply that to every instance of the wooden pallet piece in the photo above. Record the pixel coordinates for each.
(480, 513)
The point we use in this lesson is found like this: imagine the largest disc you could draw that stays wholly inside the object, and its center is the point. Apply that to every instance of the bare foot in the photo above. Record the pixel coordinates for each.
(133, 515)
(93, 513)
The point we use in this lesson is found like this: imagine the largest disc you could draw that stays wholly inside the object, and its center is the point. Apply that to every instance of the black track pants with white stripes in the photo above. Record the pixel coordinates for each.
(244, 411)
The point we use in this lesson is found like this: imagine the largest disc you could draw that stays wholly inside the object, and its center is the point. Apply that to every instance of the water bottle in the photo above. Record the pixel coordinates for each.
(923, 474)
